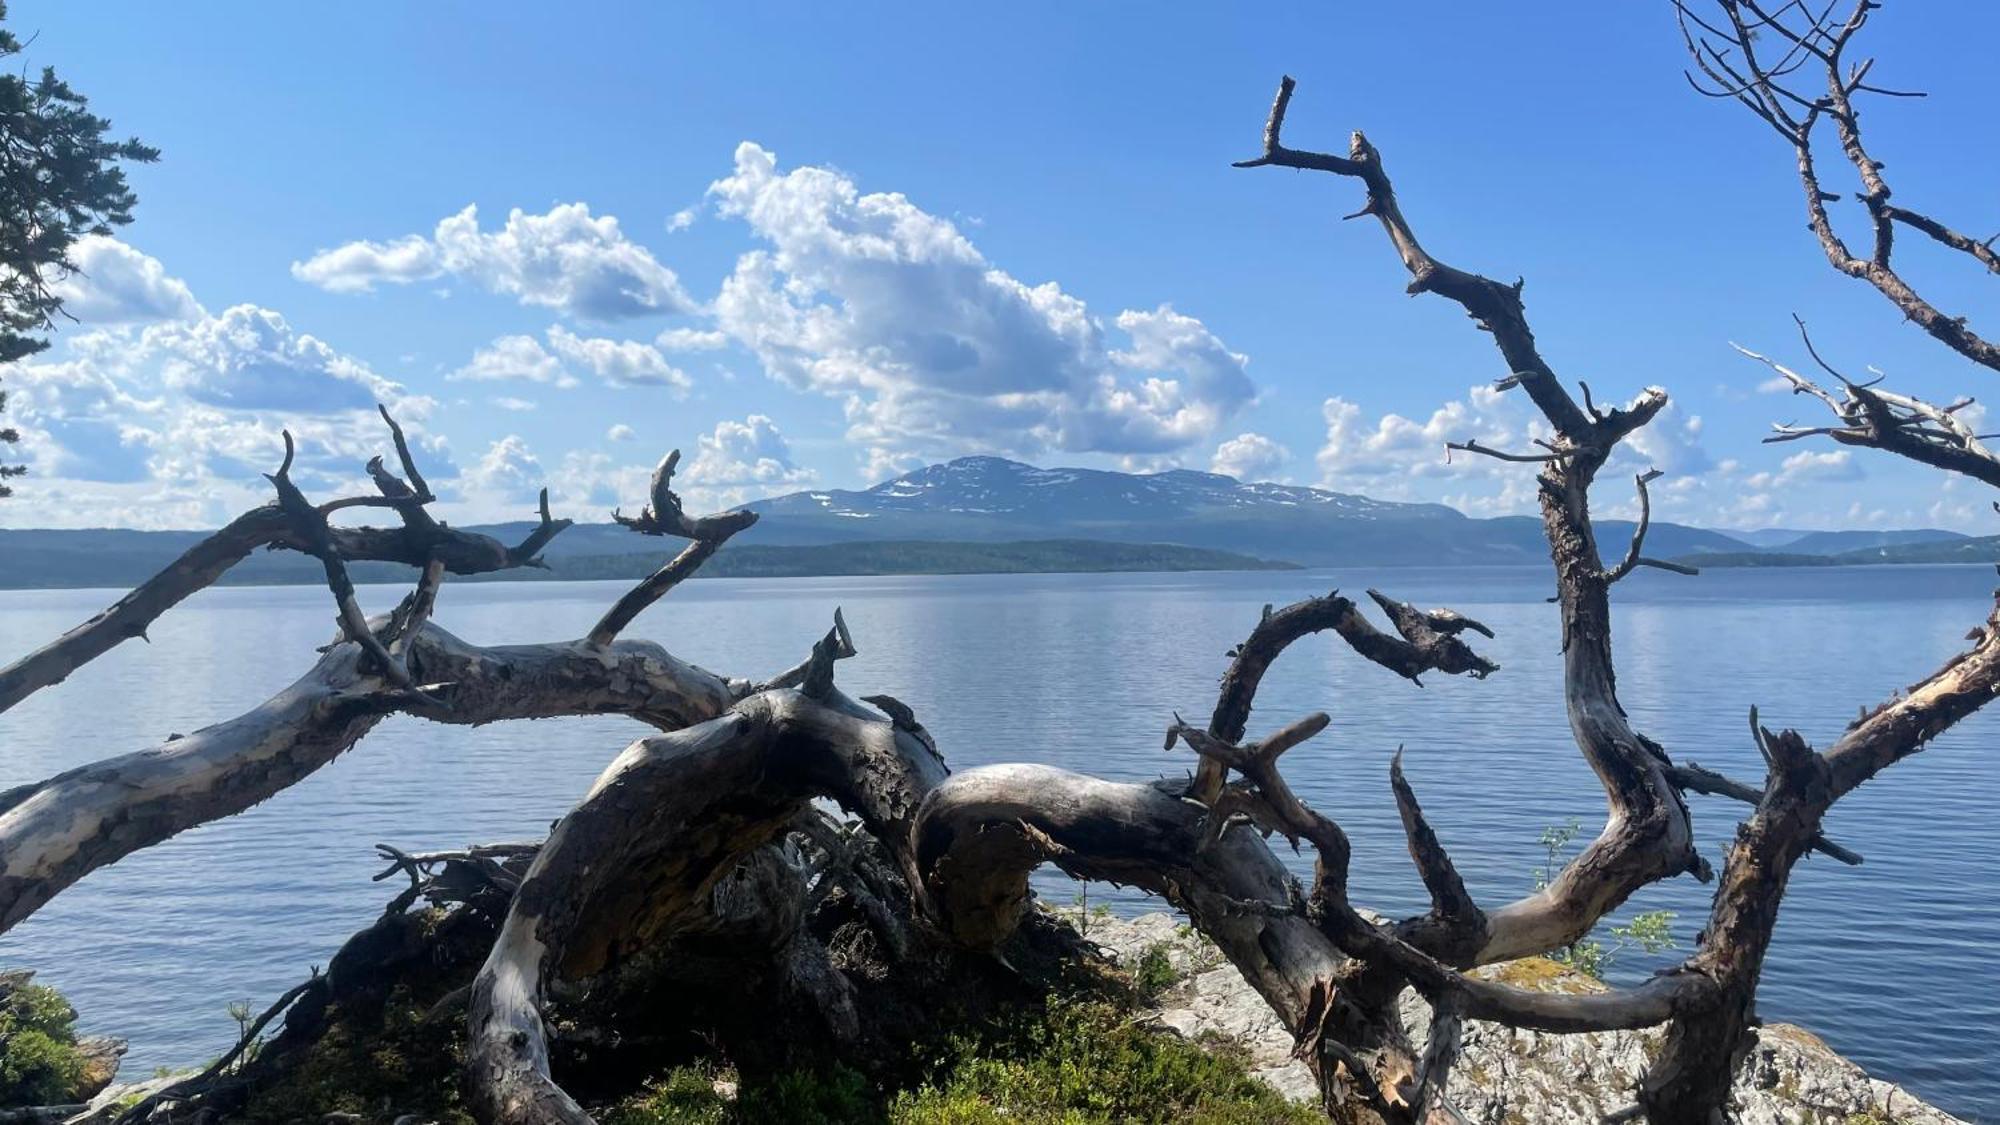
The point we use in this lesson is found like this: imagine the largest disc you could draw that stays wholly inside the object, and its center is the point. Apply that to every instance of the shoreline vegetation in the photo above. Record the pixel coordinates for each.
(92, 569)
(1984, 550)
(92, 565)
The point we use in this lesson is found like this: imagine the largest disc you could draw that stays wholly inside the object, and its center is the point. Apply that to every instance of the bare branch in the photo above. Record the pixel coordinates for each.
(1450, 901)
(311, 528)
(663, 516)
(1692, 777)
(1633, 558)
(1761, 87)
(1497, 307)
(1873, 418)
(1501, 455)
(1436, 646)
(420, 490)
(417, 544)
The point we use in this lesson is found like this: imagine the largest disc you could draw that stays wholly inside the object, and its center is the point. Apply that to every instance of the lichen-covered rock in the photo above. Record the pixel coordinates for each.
(101, 1055)
(1510, 1077)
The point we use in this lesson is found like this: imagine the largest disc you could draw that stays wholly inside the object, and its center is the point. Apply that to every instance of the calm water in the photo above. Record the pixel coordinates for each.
(1892, 962)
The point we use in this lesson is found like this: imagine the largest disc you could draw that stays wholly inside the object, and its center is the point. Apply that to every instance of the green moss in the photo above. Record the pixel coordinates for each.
(39, 1064)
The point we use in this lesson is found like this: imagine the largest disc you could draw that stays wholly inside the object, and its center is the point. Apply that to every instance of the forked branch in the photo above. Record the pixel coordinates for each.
(663, 515)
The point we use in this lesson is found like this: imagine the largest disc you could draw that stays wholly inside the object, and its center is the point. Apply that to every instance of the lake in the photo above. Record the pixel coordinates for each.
(1891, 962)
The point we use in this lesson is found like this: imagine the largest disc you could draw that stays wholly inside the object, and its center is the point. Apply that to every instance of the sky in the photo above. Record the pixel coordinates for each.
(814, 246)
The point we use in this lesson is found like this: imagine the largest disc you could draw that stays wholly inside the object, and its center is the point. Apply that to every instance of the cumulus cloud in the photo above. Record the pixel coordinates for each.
(1393, 455)
(929, 346)
(744, 460)
(1809, 466)
(1671, 443)
(507, 470)
(567, 259)
(619, 432)
(621, 363)
(691, 340)
(1404, 458)
(115, 284)
(617, 363)
(519, 358)
(1250, 457)
(188, 413)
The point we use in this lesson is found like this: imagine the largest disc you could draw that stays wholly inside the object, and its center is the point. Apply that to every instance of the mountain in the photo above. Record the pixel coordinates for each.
(979, 498)
(991, 500)
(1956, 549)
(1843, 542)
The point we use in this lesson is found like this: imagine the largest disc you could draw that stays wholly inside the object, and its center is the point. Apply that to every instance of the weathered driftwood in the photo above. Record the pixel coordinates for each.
(644, 857)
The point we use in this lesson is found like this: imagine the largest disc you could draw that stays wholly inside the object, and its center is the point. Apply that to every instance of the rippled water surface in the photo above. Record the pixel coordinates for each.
(1892, 962)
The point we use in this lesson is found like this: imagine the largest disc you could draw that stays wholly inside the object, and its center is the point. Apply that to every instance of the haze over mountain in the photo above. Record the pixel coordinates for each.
(975, 500)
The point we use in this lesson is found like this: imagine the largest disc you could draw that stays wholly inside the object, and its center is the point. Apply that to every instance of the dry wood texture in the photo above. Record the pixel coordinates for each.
(649, 852)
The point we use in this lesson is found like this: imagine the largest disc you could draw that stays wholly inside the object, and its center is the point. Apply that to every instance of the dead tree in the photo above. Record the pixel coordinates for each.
(740, 760)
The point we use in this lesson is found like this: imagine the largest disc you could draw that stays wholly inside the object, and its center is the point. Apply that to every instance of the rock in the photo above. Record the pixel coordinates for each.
(1510, 1077)
(101, 1055)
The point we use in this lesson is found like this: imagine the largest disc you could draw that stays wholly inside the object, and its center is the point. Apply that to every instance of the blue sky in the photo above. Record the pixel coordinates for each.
(811, 245)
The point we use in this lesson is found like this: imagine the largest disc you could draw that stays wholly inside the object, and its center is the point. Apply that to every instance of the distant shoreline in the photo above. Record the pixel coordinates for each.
(839, 560)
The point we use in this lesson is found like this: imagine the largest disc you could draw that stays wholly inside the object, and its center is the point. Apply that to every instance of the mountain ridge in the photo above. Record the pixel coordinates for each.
(983, 499)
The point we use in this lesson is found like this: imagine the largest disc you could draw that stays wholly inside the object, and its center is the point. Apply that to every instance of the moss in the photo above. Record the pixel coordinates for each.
(1542, 975)
(39, 1063)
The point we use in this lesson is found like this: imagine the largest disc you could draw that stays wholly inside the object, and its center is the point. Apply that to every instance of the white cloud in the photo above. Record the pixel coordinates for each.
(1395, 457)
(621, 363)
(518, 405)
(1808, 466)
(1671, 443)
(357, 267)
(171, 424)
(1250, 457)
(691, 340)
(618, 363)
(508, 470)
(743, 460)
(514, 358)
(931, 347)
(565, 259)
(115, 284)
(619, 432)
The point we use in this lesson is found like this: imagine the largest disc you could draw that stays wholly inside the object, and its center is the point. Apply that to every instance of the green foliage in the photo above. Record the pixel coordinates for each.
(1078, 1063)
(60, 180)
(1082, 1063)
(1651, 931)
(1082, 913)
(1155, 971)
(1555, 839)
(38, 1060)
(694, 1095)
